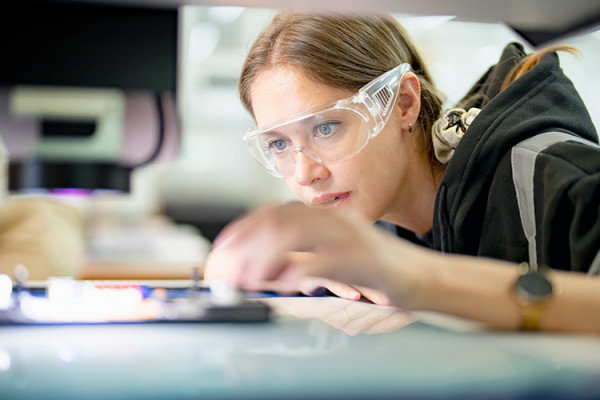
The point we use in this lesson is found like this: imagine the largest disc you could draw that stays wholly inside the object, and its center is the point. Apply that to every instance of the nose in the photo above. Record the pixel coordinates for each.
(308, 168)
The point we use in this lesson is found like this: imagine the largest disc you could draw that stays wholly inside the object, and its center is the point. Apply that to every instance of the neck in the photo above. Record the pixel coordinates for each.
(415, 211)
(419, 219)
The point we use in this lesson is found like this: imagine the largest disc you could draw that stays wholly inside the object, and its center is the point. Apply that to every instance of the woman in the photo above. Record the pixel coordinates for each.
(347, 113)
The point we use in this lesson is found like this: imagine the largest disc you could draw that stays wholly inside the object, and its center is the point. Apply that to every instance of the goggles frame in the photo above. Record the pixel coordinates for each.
(373, 103)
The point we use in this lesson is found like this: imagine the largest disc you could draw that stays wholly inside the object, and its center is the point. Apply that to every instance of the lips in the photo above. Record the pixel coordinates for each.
(330, 198)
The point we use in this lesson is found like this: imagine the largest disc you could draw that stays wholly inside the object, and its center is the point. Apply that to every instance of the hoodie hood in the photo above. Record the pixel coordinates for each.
(488, 86)
(541, 100)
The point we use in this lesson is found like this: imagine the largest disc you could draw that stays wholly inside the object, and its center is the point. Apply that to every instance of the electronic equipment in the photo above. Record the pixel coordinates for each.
(87, 92)
(64, 300)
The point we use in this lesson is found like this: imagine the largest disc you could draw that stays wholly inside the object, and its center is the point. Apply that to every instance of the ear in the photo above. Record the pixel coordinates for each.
(409, 99)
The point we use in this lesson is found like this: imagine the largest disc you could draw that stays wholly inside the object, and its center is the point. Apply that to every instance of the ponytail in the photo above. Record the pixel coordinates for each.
(531, 60)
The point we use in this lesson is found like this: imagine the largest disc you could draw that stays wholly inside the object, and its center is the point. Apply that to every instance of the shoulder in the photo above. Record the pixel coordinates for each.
(556, 158)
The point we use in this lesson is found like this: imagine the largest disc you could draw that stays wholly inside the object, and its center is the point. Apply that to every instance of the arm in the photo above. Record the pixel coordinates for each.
(349, 250)
(481, 289)
(567, 204)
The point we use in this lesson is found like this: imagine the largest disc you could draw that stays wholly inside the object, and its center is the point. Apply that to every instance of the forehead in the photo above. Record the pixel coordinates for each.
(284, 91)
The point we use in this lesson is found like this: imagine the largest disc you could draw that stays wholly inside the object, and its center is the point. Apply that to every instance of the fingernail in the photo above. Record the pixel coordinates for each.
(355, 295)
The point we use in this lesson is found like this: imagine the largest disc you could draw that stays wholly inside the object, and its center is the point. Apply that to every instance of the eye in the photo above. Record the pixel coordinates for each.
(277, 144)
(326, 129)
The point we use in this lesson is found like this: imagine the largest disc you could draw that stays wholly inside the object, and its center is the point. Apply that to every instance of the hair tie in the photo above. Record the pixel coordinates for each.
(449, 129)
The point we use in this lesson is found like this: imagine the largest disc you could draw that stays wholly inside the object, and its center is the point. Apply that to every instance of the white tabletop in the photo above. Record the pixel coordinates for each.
(312, 348)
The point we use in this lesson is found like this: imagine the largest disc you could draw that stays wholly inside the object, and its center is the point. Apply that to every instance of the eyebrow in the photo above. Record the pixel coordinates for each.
(263, 135)
(307, 121)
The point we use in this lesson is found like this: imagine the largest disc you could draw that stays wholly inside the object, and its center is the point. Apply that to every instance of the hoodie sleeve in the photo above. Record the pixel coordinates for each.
(567, 207)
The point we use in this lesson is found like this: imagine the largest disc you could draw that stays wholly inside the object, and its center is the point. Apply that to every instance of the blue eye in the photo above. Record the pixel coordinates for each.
(327, 129)
(278, 144)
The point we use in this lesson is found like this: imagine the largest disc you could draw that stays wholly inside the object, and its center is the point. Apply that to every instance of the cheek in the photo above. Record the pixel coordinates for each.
(382, 166)
(374, 173)
(298, 190)
(384, 154)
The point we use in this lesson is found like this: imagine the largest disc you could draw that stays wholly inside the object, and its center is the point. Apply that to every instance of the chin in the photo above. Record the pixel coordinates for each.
(358, 212)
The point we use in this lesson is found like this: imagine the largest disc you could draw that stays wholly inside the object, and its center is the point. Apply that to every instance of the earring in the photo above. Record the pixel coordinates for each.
(409, 127)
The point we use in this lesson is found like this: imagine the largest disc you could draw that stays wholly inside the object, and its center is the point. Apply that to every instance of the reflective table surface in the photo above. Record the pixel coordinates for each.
(313, 348)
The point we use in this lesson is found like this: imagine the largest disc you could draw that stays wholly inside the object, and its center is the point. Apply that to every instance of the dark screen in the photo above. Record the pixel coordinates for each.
(74, 44)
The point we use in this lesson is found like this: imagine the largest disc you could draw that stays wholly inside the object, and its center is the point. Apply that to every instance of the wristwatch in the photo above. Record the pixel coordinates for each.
(533, 291)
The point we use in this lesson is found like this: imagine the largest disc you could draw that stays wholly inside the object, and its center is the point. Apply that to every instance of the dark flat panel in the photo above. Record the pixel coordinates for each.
(53, 43)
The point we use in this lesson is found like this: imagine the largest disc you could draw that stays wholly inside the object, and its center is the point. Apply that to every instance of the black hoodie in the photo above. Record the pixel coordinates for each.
(476, 209)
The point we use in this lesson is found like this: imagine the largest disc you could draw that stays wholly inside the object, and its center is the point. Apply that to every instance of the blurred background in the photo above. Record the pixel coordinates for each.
(177, 204)
(215, 174)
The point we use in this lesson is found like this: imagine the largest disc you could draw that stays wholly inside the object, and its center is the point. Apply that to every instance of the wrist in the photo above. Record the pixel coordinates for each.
(533, 291)
(470, 287)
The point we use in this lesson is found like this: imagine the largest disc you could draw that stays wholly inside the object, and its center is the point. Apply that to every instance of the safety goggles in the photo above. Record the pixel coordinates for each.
(330, 134)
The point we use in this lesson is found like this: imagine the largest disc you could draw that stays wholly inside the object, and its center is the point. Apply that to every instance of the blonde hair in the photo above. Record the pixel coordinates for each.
(343, 52)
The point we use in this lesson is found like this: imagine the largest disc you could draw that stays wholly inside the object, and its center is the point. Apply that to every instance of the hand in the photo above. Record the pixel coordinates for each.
(220, 264)
(344, 248)
(312, 284)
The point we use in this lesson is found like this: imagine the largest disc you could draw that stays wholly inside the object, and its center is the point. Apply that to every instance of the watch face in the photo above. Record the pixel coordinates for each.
(534, 286)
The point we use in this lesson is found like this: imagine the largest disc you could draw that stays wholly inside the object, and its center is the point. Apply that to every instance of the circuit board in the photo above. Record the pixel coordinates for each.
(69, 301)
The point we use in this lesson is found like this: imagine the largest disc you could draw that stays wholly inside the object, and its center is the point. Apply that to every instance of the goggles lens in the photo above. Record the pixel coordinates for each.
(328, 136)
(331, 134)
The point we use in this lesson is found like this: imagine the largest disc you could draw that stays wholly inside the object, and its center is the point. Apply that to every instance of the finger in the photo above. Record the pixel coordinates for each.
(264, 242)
(374, 295)
(218, 265)
(342, 290)
(261, 238)
(255, 272)
(310, 285)
(226, 236)
(260, 250)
